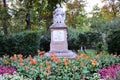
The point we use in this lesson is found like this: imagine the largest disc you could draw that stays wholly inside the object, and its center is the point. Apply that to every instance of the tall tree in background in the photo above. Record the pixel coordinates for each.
(74, 9)
(111, 8)
(34, 13)
(4, 17)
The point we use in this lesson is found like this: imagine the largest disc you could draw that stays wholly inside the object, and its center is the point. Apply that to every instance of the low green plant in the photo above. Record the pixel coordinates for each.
(96, 76)
(50, 68)
(14, 76)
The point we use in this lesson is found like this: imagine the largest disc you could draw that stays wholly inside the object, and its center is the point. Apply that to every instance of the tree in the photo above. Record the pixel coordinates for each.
(34, 14)
(75, 9)
(4, 18)
(110, 8)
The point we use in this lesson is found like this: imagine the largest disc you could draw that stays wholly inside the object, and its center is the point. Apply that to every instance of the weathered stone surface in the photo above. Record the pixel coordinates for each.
(59, 43)
(68, 54)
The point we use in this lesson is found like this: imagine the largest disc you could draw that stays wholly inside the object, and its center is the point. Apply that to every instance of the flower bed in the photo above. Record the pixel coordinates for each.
(110, 71)
(50, 68)
(6, 70)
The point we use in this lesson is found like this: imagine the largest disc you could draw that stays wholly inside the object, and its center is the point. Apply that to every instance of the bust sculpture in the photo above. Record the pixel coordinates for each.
(58, 15)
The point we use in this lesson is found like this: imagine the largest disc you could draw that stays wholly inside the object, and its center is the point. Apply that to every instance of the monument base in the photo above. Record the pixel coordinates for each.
(68, 54)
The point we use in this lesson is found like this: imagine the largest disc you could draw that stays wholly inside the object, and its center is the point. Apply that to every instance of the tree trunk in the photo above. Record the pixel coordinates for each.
(28, 26)
(4, 3)
(4, 19)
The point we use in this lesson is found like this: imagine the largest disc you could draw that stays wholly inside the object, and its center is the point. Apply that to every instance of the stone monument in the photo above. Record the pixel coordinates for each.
(58, 29)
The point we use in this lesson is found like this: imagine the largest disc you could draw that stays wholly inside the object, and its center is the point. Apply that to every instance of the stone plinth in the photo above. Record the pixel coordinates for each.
(68, 54)
(59, 43)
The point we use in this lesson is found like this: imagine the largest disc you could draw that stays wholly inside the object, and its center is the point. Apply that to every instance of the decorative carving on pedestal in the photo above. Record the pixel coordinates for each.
(58, 29)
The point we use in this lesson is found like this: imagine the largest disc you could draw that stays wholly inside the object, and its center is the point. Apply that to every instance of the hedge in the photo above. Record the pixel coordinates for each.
(113, 41)
(26, 43)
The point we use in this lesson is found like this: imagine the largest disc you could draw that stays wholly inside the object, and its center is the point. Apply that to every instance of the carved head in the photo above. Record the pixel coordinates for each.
(58, 5)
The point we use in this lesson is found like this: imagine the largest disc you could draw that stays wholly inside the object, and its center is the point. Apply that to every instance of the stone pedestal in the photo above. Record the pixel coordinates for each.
(58, 30)
(59, 43)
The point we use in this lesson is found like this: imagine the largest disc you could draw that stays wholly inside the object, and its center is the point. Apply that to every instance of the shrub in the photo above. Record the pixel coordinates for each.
(26, 42)
(93, 38)
(73, 39)
(113, 41)
(45, 41)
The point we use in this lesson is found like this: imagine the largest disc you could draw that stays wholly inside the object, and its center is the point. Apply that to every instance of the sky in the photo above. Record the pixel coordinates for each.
(91, 3)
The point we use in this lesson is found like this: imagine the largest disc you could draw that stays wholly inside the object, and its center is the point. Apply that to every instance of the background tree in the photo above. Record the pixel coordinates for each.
(5, 17)
(75, 9)
(111, 8)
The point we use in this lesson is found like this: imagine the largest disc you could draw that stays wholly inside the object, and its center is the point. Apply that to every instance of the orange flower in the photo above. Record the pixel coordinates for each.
(54, 58)
(20, 55)
(26, 67)
(77, 57)
(33, 61)
(84, 56)
(40, 52)
(15, 56)
(11, 58)
(66, 62)
(6, 62)
(94, 62)
(48, 67)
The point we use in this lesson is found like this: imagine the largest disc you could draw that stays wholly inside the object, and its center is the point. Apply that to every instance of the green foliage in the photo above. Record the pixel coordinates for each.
(45, 41)
(83, 66)
(113, 41)
(14, 76)
(26, 42)
(93, 38)
(73, 39)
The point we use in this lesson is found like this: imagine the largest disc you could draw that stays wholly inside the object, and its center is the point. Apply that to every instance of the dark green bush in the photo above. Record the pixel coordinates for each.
(26, 43)
(93, 38)
(45, 41)
(73, 39)
(113, 41)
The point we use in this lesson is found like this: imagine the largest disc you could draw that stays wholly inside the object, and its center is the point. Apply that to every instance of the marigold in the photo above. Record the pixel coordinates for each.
(77, 57)
(54, 58)
(94, 62)
(40, 52)
(33, 61)
(84, 56)
(15, 56)
(20, 56)
(65, 62)
(48, 67)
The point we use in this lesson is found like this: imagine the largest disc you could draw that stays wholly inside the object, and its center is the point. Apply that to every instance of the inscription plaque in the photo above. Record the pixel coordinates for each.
(58, 35)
